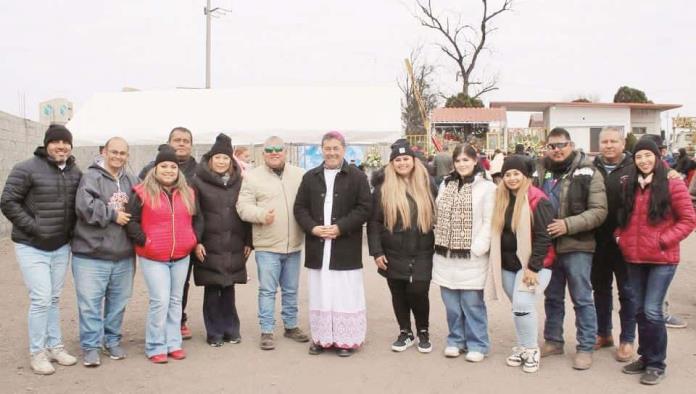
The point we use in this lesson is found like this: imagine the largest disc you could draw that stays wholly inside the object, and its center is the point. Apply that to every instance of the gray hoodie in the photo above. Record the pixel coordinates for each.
(99, 198)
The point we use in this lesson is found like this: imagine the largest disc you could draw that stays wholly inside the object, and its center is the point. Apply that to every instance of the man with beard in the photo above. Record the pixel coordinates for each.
(576, 192)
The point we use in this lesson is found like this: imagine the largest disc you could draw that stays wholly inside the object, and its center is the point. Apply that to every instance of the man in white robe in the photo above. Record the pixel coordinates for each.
(332, 204)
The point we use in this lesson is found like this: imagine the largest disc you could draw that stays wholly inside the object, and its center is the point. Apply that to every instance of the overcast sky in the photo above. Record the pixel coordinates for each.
(544, 50)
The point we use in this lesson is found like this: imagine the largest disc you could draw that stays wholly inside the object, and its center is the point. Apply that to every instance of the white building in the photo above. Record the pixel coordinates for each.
(58, 110)
(584, 121)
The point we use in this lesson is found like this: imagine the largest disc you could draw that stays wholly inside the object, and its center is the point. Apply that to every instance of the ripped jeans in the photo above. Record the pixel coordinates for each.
(524, 311)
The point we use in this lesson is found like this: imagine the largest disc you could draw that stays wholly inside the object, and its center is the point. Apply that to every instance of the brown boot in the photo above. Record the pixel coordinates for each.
(296, 335)
(603, 342)
(267, 341)
(583, 361)
(551, 348)
(625, 352)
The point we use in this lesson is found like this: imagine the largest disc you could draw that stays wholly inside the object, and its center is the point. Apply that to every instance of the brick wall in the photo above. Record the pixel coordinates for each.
(18, 139)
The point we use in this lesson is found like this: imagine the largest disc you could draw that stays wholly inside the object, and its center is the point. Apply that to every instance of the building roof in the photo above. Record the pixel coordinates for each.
(297, 114)
(468, 115)
(540, 106)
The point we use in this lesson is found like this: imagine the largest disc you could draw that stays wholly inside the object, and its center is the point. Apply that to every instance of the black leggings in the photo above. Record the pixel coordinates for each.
(410, 296)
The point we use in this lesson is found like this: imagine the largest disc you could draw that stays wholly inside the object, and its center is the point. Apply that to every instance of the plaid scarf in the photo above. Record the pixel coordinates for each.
(454, 221)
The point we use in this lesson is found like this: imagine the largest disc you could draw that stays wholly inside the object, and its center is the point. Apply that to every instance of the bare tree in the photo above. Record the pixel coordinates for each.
(411, 118)
(464, 43)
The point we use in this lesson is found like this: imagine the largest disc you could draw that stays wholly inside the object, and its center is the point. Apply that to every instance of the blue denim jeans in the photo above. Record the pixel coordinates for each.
(44, 275)
(574, 269)
(467, 319)
(607, 264)
(650, 283)
(277, 269)
(100, 282)
(524, 312)
(165, 286)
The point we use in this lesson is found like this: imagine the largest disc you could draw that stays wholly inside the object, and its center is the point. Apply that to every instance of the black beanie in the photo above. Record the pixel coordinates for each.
(517, 162)
(223, 145)
(646, 144)
(56, 132)
(401, 147)
(166, 153)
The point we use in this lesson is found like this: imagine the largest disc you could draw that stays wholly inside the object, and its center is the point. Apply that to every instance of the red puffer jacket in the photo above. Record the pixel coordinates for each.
(535, 195)
(168, 228)
(643, 242)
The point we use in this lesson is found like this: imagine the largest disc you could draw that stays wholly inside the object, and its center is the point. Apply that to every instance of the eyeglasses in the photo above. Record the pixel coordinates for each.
(273, 149)
(558, 145)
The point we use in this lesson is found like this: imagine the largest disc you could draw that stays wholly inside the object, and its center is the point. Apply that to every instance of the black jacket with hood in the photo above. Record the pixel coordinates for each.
(39, 200)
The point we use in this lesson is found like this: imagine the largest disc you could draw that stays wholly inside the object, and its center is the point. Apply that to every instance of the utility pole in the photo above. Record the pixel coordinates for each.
(207, 44)
(209, 13)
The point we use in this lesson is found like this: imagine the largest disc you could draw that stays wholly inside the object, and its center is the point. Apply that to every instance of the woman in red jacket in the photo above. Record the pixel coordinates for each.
(163, 211)
(655, 216)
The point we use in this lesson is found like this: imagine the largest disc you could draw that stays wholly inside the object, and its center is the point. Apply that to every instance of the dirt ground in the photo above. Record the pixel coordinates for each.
(244, 368)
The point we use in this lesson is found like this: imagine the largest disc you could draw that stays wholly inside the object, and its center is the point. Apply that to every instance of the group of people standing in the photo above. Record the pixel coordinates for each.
(533, 234)
(559, 222)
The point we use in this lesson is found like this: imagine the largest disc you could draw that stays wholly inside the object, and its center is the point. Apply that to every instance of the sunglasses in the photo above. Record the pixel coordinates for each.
(273, 149)
(558, 145)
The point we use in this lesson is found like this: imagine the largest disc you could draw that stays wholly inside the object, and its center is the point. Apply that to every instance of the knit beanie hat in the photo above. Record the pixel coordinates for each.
(56, 132)
(223, 145)
(401, 147)
(517, 162)
(166, 153)
(646, 144)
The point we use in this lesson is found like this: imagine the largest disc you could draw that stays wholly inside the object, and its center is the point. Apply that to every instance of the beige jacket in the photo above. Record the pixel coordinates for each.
(263, 190)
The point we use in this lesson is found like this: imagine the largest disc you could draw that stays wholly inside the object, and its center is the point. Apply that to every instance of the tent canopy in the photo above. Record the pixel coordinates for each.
(249, 115)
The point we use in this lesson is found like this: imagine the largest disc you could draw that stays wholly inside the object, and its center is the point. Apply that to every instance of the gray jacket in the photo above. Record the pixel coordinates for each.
(99, 197)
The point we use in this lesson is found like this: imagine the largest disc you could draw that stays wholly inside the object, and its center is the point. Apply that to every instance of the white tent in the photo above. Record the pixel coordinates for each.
(249, 115)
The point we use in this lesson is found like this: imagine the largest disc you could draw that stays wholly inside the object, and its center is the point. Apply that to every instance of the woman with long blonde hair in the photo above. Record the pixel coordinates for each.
(163, 212)
(400, 237)
(521, 252)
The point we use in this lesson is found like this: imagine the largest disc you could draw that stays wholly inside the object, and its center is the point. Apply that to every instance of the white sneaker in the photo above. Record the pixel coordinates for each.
(40, 364)
(475, 357)
(517, 357)
(532, 358)
(453, 351)
(61, 356)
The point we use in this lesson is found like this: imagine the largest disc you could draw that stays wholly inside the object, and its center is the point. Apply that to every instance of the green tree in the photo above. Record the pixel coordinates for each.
(463, 100)
(627, 94)
(630, 142)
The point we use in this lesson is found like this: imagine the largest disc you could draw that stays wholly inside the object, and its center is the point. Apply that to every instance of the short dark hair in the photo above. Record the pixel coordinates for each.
(558, 132)
(182, 130)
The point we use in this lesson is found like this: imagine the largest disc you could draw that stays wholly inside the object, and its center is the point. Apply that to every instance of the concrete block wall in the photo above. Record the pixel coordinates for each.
(18, 139)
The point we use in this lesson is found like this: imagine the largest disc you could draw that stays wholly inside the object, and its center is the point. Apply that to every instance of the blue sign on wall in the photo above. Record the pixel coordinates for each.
(311, 155)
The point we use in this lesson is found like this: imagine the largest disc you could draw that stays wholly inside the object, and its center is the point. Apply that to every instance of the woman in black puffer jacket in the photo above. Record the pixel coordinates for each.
(401, 240)
(226, 243)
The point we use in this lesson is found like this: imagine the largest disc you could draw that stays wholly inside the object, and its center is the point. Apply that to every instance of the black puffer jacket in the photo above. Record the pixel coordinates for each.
(224, 233)
(409, 252)
(39, 200)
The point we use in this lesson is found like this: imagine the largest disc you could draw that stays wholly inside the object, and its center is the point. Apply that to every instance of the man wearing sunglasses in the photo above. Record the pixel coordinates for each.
(266, 200)
(576, 191)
